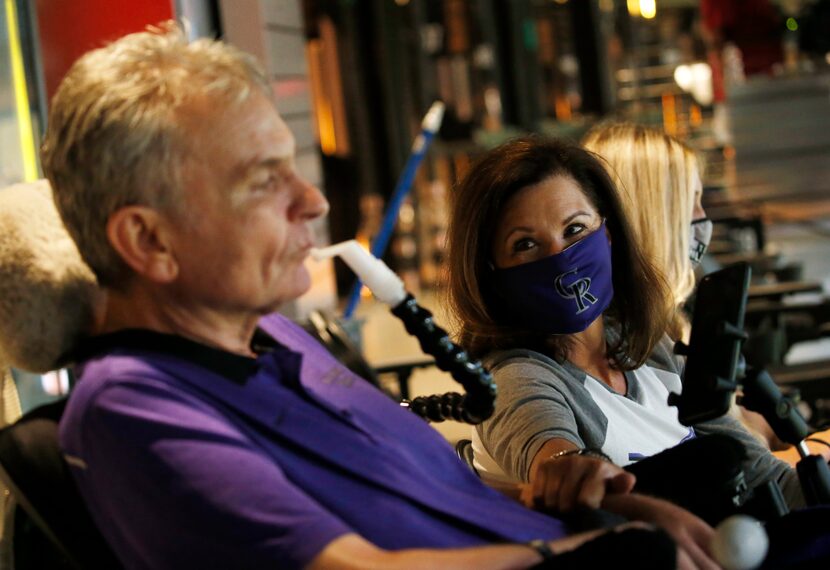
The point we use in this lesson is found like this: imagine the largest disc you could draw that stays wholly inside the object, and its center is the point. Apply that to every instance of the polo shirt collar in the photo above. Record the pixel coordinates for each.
(235, 367)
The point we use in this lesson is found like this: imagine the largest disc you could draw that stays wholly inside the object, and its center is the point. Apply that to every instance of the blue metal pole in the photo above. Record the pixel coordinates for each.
(429, 126)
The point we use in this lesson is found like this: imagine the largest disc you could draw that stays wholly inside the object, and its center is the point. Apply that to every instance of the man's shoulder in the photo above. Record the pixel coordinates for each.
(122, 382)
(119, 369)
(111, 370)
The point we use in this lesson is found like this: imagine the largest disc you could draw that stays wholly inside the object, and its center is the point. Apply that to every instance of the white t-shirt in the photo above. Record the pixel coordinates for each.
(639, 429)
(635, 428)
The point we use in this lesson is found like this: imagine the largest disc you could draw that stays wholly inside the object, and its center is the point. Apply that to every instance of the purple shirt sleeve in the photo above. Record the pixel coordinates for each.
(220, 496)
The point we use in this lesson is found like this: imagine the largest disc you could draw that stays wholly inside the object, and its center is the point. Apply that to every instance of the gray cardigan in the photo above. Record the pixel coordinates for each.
(540, 399)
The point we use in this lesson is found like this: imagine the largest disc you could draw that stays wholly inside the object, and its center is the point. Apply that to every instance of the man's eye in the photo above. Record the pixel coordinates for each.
(523, 244)
(264, 184)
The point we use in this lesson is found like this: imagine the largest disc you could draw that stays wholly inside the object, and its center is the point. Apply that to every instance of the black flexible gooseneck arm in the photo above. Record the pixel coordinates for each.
(472, 408)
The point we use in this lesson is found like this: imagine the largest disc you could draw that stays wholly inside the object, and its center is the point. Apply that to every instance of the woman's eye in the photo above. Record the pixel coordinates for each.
(574, 230)
(523, 244)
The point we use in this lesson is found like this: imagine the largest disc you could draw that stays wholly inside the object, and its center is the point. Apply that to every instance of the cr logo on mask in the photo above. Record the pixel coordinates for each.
(579, 290)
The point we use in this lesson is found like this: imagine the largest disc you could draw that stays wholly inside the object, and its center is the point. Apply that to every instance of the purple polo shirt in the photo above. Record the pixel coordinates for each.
(192, 457)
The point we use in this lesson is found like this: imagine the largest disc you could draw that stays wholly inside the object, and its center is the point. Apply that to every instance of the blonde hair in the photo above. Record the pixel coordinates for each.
(655, 174)
(113, 138)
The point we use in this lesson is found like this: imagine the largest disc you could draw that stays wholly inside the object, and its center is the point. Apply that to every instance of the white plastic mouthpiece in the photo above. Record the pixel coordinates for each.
(432, 120)
(377, 276)
(740, 543)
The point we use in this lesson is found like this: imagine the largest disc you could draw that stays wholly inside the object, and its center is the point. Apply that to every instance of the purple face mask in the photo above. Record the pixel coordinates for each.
(560, 294)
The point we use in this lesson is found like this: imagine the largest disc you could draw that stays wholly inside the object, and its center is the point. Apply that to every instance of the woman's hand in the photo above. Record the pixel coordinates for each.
(564, 483)
(692, 535)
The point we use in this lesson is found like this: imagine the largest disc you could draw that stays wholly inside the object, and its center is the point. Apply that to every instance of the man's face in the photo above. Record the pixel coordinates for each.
(244, 232)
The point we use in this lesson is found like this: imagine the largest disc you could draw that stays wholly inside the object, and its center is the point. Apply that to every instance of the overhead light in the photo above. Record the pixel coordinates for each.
(648, 9)
(645, 8)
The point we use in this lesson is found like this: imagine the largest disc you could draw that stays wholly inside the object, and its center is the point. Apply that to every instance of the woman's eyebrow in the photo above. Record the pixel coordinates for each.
(574, 215)
(516, 229)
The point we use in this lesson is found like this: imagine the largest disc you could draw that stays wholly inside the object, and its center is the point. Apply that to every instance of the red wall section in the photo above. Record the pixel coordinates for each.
(68, 29)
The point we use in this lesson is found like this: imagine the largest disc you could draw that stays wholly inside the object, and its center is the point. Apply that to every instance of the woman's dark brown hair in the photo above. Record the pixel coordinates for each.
(641, 307)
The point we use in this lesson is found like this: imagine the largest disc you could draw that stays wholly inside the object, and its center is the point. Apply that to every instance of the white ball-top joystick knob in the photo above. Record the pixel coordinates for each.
(740, 543)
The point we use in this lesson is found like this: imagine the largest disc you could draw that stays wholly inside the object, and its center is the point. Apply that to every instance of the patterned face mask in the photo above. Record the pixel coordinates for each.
(699, 240)
(562, 293)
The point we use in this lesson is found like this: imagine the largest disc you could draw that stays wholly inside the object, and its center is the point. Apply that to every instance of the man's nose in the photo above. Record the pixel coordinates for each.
(310, 202)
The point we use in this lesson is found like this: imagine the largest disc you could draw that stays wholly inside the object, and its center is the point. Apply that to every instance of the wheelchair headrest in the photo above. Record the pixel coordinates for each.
(47, 292)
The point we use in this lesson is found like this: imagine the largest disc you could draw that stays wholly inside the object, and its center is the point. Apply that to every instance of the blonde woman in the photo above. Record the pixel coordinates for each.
(659, 181)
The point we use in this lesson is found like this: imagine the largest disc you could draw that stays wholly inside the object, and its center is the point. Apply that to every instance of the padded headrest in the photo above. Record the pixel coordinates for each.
(47, 292)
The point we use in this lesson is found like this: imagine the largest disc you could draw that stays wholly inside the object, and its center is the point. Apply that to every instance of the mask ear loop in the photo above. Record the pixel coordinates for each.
(492, 267)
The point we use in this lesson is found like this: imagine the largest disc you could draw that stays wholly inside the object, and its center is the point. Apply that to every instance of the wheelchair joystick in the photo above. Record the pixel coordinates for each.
(740, 543)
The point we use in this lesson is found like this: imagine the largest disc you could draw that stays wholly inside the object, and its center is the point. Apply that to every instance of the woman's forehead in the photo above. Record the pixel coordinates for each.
(555, 195)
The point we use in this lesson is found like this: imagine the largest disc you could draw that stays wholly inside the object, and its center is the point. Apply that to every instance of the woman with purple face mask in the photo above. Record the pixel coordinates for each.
(549, 285)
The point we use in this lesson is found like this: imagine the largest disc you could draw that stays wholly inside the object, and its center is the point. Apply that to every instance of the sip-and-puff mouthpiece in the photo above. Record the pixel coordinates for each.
(377, 276)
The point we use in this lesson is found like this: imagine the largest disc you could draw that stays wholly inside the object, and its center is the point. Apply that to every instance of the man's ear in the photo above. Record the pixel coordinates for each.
(141, 237)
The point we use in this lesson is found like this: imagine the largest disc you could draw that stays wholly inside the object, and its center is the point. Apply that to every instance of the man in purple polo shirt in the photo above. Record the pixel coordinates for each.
(207, 432)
